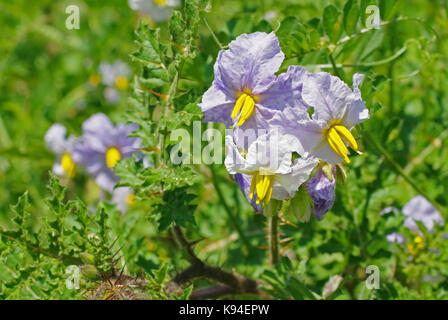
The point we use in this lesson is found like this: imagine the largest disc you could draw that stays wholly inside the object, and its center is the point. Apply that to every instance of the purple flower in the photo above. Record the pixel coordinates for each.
(123, 198)
(269, 165)
(56, 141)
(322, 191)
(420, 209)
(417, 209)
(396, 237)
(102, 146)
(245, 89)
(337, 109)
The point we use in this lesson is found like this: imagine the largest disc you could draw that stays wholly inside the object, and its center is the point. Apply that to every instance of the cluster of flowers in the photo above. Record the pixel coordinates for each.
(302, 122)
(417, 209)
(114, 76)
(98, 150)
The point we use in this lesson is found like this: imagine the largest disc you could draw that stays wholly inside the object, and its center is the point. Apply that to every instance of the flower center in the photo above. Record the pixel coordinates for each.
(122, 83)
(244, 106)
(264, 185)
(130, 200)
(416, 246)
(113, 155)
(68, 165)
(160, 3)
(337, 136)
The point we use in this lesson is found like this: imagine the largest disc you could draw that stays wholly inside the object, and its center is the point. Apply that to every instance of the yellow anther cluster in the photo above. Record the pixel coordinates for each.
(113, 155)
(130, 200)
(337, 137)
(160, 3)
(122, 83)
(416, 246)
(68, 165)
(264, 185)
(245, 104)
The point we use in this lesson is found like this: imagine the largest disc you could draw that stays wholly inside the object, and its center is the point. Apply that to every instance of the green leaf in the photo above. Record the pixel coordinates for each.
(386, 8)
(296, 38)
(332, 23)
(351, 16)
(177, 208)
(243, 25)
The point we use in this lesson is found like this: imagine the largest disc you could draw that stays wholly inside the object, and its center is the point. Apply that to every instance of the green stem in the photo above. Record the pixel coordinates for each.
(271, 211)
(213, 35)
(435, 144)
(399, 170)
(229, 211)
(333, 64)
(361, 65)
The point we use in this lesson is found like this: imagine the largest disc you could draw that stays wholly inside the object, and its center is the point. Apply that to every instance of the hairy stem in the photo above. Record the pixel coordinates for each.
(271, 211)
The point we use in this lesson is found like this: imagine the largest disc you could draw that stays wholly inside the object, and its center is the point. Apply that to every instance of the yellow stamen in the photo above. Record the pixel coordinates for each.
(419, 242)
(68, 165)
(270, 188)
(130, 200)
(122, 83)
(248, 110)
(347, 135)
(238, 105)
(337, 144)
(160, 3)
(264, 185)
(252, 186)
(113, 155)
(411, 250)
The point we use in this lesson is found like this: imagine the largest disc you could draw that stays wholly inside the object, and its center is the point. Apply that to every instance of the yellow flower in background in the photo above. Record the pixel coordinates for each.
(94, 79)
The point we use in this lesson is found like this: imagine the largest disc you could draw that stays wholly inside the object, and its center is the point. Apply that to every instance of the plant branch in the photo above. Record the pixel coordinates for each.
(198, 269)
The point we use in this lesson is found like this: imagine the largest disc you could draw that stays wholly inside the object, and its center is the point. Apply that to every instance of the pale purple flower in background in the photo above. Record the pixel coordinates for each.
(396, 237)
(112, 95)
(115, 74)
(123, 198)
(337, 109)
(269, 163)
(246, 90)
(322, 191)
(102, 146)
(159, 10)
(420, 209)
(388, 210)
(416, 209)
(56, 140)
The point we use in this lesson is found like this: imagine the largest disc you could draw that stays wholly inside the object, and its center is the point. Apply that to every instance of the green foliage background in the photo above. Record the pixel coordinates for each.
(46, 227)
